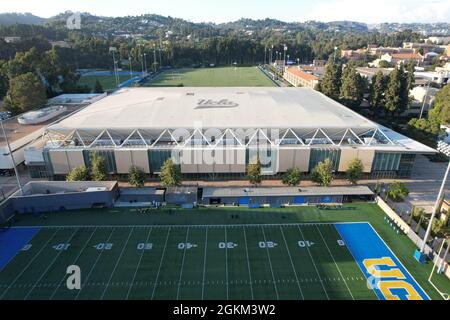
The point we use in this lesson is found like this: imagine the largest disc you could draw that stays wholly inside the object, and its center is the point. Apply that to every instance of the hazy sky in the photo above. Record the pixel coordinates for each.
(370, 11)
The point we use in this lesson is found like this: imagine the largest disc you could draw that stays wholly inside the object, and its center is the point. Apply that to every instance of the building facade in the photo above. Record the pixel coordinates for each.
(299, 78)
(214, 133)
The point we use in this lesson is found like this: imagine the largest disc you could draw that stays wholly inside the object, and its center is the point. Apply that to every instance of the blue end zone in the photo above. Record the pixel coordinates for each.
(12, 241)
(391, 280)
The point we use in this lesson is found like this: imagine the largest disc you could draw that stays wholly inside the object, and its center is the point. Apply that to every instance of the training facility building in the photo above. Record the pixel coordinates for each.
(276, 197)
(214, 133)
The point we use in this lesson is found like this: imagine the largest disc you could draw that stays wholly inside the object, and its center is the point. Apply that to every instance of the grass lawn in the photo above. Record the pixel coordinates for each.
(212, 77)
(107, 82)
(206, 253)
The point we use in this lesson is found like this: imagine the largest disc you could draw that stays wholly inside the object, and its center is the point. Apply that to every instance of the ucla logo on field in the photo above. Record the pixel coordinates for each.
(389, 280)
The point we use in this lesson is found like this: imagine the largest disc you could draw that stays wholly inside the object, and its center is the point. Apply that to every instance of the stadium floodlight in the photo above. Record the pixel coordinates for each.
(435, 209)
(441, 261)
(113, 50)
(12, 158)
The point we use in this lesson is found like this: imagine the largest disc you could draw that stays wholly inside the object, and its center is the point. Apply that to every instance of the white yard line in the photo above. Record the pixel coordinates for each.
(314, 264)
(270, 264)
(248, 264)
(138, 265)
(49, 266)
(93, 266)
(292, 264)
(226, 263)
(182, 264)
(204, 265)
(29, 263)
(160, 264)
(332, 257)
(74, 262)
(117, 263)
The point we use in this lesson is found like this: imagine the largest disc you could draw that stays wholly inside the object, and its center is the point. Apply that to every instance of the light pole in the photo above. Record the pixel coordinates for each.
(435, 209)
(284, 58)
(425, 100)
(12, 158)
(113, 50)
(154, 58)
(298, 62)
(145, 62)
(130, 61)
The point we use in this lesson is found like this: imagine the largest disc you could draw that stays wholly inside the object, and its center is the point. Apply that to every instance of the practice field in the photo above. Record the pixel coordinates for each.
(212, 77)
(266, 259)
(108, 82)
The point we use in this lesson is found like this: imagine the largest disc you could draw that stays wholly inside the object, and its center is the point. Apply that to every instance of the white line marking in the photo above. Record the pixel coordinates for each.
(182, 264)
(191, 226)
(248, 264)
(74, 262)
(138, 265)
(117, 263)
(314, 264)
(270, 264)
(29, 263)
(226, 263)
(49, 266)
(160, 264)
(94, 265)
(292, 263)
(204, 264)
(332, 257)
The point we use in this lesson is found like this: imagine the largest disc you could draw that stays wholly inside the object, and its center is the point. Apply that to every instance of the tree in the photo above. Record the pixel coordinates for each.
(331, 82)
(292, 177)
(397, 191)
(397, 94)
(355, 171)
(441, 110)
(98, 167)
(254, 172)
(26, 92)
(352, 88)
(377, 89)
(79, 174)
(170, 174)
(323, 173)
(410, 78)
(136, 177)
(98, 87)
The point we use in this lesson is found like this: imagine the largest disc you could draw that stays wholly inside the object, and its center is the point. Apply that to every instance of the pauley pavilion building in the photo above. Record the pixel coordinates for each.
(214, 133)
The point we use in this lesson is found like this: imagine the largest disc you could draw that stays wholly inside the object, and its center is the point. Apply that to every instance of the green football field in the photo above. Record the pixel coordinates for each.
(212, 77)
(107, 82)
(223, 253)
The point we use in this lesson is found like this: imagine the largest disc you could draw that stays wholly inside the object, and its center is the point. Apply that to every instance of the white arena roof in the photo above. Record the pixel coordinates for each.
(265, 108)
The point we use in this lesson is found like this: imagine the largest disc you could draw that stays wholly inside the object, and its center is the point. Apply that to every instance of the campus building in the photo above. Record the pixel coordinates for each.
(299, 78)
(214, 133)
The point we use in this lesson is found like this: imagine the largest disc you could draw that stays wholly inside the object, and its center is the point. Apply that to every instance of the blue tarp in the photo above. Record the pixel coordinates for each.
(12, 241)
